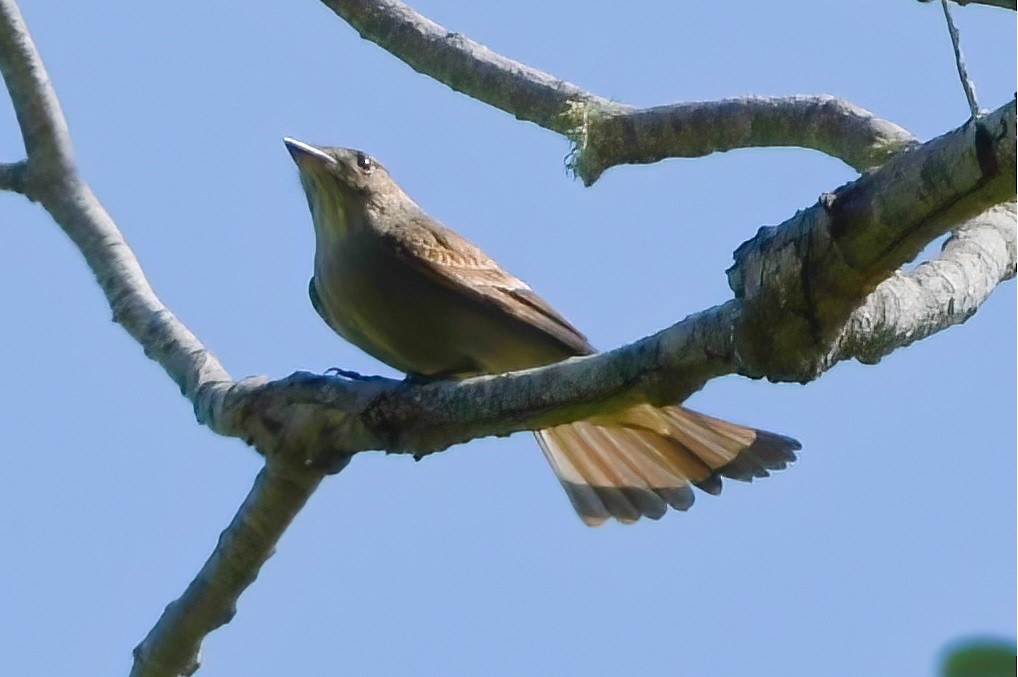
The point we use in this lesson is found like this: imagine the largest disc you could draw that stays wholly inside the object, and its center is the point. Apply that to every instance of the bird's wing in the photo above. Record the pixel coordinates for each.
(451, 260)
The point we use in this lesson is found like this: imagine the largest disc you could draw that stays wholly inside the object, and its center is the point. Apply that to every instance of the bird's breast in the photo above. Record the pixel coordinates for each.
(384, 305)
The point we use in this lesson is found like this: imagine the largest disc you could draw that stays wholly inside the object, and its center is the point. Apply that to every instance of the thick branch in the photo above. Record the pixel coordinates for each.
(607, 133)
(938, 294)
(806, 277)
(322, 420)
(797, 286)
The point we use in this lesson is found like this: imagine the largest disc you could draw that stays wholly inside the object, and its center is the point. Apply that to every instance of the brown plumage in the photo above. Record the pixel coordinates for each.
(417, 296)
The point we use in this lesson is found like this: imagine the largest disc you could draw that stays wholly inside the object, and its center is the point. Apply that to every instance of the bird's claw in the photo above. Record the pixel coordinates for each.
(349, 374)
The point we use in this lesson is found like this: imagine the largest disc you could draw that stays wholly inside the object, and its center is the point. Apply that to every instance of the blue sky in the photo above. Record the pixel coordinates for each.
(893, 535)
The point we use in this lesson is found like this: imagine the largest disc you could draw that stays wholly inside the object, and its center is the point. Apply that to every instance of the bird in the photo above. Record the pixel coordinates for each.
(414, 294)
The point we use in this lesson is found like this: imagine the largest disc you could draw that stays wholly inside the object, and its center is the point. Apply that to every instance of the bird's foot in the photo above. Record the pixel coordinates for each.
(350, 375)
(412, 379)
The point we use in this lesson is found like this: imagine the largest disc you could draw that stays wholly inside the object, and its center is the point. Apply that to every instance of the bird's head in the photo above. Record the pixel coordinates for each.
(340, 183)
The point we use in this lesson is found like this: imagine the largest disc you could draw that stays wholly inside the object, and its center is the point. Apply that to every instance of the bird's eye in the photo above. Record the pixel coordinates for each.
(365, 163)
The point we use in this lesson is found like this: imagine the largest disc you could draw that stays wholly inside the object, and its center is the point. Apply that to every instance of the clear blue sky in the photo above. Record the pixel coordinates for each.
(892, 536)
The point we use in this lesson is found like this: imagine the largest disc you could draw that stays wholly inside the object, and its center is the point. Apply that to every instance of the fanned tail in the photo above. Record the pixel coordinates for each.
(642, 460)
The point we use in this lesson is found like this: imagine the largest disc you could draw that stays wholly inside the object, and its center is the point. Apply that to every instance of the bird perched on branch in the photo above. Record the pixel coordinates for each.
(412, 293)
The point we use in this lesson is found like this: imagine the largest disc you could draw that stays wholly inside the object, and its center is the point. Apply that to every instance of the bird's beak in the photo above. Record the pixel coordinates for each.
(304, 154)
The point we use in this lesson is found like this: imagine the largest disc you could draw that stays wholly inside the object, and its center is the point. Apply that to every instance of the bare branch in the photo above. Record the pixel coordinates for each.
(808, 275)
(797, 286)
(467, 66)
(50, 177)
(12, 176)
(938, 294)
(606, 133)
(42, 123)
(172, 646)
(339, 417)
(825, 123)
(959, 61)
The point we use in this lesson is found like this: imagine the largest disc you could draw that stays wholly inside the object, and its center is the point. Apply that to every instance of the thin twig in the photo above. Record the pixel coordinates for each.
(1003, 4)
(966, 83)
(12, 176)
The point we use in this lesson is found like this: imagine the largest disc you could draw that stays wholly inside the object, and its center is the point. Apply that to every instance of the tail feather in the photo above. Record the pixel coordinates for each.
(663, 472)
(760, 452)
(640, 461)
(609, 487)
(690, 431)
(652, 468)
(768, 452)
(618, 491)
(711, 485)
(622, 471)
(676, 458)
(582, 494)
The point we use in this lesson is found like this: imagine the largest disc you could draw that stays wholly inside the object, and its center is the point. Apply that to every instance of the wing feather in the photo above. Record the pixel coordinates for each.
(452, 261)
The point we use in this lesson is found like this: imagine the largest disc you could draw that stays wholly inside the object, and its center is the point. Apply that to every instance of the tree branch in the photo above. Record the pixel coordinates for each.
(12, 176)
(959, 60)
(798, 287)
(606, 133)
(828, 124)
(806, 277)
(938, 294)
(172, 646)
(42, 123)
(49, 176)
